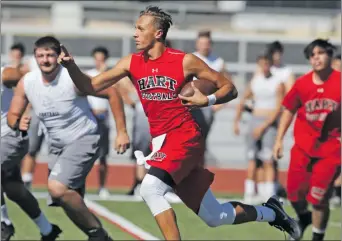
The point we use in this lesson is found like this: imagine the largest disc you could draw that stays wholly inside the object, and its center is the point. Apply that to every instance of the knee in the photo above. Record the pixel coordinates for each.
(103, 164)
(32, 154)
(12, 193)
(251, 164)
(152, 190)
(149, 189)
(266, 155)
(56, 189)
(268, 166)
(321, 207)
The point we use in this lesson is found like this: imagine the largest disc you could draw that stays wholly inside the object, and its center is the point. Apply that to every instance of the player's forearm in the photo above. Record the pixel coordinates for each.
(126, 97)
(28, 109)
(239, 109)
(328, 124)
(13, 119)
(82, 81)
(285, 122)
(226, 93)
(11, 76)
(117, 108)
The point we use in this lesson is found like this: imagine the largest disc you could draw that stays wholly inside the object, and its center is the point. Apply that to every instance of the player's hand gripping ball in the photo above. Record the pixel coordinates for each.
(194, 93)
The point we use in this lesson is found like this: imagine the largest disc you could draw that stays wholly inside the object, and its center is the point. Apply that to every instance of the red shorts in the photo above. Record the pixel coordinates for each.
(180, 156)
(311, 178)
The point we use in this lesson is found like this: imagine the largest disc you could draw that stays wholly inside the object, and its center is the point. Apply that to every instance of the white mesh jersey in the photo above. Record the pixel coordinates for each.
(65, 115)
(6, 98)
(96, 103)
(283, 72)
(216, 63)
(265, 91)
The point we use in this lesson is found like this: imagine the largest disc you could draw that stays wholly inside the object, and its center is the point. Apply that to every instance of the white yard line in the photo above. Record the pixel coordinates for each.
(111, 217)
(118, 220)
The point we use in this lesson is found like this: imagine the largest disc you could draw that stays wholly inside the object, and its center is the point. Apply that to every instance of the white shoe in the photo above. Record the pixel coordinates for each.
(104, 193)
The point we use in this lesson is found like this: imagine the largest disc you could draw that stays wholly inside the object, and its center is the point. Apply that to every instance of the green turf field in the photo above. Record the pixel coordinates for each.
(192, 228)
(27, 230)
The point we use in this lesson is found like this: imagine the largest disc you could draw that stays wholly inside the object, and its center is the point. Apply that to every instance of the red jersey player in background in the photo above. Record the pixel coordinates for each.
(159, 73)
(316, 154)
(335, 200)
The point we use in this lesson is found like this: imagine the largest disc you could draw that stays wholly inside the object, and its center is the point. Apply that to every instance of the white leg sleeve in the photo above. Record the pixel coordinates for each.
(215, 214)
(152, 190)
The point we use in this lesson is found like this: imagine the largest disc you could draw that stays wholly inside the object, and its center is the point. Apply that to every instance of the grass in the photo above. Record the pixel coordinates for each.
(27, 230)
(191, 227)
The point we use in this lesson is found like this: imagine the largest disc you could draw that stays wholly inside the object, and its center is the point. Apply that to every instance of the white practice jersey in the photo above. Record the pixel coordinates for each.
(96, 103)
(216, 63)
(65, 115)
(6, 98)
(265, 91)
(282, 72)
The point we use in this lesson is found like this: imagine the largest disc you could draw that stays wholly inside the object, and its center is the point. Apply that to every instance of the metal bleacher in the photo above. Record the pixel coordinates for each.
(307, 4)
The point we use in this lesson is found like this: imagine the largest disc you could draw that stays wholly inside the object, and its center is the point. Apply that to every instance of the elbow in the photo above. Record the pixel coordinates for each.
(89, 90)
(233, 93)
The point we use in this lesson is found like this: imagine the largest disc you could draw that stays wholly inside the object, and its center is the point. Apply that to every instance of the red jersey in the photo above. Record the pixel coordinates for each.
(313, 102)
(158, 83)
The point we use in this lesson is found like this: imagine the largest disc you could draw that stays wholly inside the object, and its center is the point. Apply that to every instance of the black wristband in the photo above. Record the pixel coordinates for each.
(16, 125)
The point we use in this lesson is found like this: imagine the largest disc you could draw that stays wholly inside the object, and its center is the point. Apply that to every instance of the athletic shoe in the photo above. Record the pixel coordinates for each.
(99, 235)
(53, 235)
(7, 231)
(282, 220)
(302, 228)
(104, 193)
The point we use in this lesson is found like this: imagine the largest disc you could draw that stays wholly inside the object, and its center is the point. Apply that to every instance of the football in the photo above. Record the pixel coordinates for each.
(205, 86)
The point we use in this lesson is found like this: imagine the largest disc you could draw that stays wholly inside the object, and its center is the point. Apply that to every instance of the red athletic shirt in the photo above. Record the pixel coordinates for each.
(313, 102)
(158, 83)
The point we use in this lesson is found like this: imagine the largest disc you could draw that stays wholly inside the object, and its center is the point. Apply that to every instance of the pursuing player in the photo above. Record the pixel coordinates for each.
(204, 117)
(159, 73)
(13, 148)
(336, 198)
(336, 63)
(275, 51)
(72, 130)
(99, 107)
(267, 91)
(315, 161)
(16, 55)
(140, 135)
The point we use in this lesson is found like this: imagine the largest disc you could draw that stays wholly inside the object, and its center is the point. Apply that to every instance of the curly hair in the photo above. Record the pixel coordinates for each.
(162, 20)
